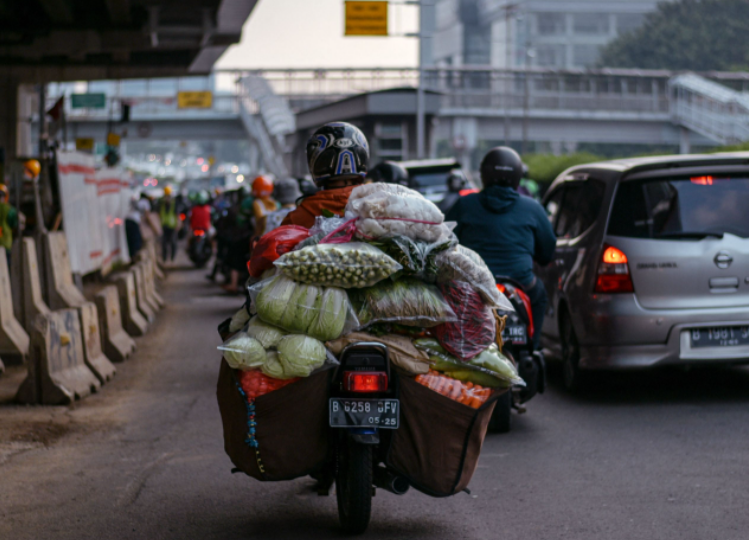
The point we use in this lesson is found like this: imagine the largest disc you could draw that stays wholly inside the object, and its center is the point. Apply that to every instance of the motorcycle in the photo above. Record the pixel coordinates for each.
(518, 346)
(363, 411)
(200, 248)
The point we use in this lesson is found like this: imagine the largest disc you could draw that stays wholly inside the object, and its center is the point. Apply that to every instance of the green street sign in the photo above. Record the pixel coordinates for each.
(88, 101)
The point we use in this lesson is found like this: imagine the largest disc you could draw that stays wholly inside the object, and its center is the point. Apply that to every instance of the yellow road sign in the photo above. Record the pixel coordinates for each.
(194, 100)
(113, 139)
(84, 144)
(366, 18)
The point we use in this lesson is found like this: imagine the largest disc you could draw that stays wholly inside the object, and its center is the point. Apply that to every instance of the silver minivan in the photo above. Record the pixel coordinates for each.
(652, 264)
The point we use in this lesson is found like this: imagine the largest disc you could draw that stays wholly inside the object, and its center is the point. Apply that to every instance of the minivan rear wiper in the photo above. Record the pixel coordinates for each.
(688, 235)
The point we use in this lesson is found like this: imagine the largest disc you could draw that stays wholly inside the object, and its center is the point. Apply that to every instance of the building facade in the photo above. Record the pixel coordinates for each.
(540, 33)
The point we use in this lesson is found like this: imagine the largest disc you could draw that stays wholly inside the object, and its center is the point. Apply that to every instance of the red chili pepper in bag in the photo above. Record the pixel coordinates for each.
(475, 327)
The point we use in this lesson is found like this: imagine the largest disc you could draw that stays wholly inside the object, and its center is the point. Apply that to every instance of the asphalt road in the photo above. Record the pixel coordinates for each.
(659, 456)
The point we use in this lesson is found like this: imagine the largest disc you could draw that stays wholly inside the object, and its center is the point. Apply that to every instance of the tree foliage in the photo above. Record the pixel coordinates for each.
(699, 35)
(544, 168)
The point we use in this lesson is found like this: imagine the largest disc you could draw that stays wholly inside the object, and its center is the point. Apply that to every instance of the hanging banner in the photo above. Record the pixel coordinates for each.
(366, 18)
(194, 100)
(94, 206)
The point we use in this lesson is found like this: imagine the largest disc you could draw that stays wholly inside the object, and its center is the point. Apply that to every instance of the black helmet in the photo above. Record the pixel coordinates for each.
(389, 172)
(455, 181)
(501, 166)
(337, 150)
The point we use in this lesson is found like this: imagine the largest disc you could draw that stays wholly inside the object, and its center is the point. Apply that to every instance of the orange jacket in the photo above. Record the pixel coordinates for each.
(333, 200)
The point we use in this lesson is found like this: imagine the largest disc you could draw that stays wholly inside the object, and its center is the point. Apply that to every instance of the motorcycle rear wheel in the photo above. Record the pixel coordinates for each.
(353, 486)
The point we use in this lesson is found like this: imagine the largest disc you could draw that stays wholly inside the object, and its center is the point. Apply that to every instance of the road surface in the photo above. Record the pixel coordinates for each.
(661, 456)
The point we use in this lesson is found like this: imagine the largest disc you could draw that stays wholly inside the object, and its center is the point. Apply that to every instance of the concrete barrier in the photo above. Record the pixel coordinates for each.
(57, 370)
(140, 288)
(92, 351)
(61, 291)
(133, 320)
(152, 254)
(155, 297)
(14, 341)
(117, 344)
(32, 301)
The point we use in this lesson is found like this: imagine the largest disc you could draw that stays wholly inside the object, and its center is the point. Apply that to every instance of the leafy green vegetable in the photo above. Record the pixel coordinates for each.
(267, 334)
(407, 301)
(243, 352)
(300, 355)
(273, 300)
(273, 367)
(239, 319)
(331, 318)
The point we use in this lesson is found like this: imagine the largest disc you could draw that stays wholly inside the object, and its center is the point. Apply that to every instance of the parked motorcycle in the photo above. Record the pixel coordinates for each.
(200, 248)
(518, 346)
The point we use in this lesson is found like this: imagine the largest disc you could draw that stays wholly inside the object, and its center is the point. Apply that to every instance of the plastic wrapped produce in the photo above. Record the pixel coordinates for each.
(493, 369)
(300, 355)
(273, 367)
(273, 245)
(463, 264)
(239, 319)
(243, 352)
(267, 334)
(323, 226)
(475, 327)
(338, 265)
(467, 393)
(321, 312)
(391, 209)
(256, 383)
(416, 257)
(407, 301)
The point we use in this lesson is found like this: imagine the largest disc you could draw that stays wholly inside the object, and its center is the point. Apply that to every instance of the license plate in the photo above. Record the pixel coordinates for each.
(380, 413)
(515, 334)
(720, 336)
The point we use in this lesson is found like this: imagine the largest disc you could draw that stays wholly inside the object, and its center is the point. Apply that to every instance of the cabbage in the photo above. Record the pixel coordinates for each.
(288, 319)
(267, 334)
(274, 298)
(308, 307)
(330, 320)
(300, 355)
(272, 367)
(238, 320)
(244, 352)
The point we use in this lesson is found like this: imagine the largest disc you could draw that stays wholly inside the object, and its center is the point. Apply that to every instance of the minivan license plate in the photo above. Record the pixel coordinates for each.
(721, 336)
(380, 413)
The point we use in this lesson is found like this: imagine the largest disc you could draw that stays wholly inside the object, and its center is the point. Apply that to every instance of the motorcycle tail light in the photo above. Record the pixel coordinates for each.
(198, 232)
(613, 272)
(183, 217)
(525, 299)
(365, 381)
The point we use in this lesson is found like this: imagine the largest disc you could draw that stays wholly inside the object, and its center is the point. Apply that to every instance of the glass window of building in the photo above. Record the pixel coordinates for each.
(626, 22)
(551, 24)
(585, 55)
(550, 55)
(591, 23)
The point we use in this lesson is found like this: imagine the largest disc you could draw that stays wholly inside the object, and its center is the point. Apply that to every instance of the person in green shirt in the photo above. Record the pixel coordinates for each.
(8, 221)
(168, 217)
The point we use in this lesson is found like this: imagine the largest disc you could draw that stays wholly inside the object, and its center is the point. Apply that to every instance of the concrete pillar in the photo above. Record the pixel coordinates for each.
(685, 145)
(8, 120)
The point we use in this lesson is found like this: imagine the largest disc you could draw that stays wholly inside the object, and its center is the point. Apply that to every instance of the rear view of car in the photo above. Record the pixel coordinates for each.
(661, 275)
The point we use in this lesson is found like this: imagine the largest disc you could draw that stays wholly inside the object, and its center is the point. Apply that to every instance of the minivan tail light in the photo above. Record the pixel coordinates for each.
(365, 381)
(613, 272)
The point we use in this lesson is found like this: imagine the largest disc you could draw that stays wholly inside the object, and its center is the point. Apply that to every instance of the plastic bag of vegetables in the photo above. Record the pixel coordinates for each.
(463, 264)
(239, 319)
(490, 368)
(243, 352)
(338, 265)
(323, 226)
(475, 327)
(407, 301)
(416, 257)
(273, 245)
(267, 334)
(321, 312)
(391, 209)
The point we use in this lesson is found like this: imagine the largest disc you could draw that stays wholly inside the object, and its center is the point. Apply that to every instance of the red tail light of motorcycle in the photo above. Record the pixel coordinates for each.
(613, 272)
(182, 217)
(365, 382)
(198, 232)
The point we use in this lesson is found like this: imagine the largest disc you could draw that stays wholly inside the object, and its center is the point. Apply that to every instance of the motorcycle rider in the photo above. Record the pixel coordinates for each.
(8, 221)
(389, 172)
(264, 203)
(200, 214)
(169, 222)
(510, 232)
(455, 183)
(337, 156)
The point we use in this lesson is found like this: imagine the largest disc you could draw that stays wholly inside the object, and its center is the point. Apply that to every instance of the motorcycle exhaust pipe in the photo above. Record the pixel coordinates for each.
(387, 480)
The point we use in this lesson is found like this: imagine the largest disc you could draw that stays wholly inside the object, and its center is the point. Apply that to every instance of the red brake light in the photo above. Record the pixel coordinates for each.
(702, 180)
(613, 272)
(182, 217)
(198, 232)
(501, 288)
(468, 191)
(365, 381)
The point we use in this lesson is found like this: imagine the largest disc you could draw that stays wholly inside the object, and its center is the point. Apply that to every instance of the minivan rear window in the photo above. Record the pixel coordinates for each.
(691, 207)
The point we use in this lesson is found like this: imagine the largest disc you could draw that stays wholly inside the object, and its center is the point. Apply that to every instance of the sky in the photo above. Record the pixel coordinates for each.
(309, 33)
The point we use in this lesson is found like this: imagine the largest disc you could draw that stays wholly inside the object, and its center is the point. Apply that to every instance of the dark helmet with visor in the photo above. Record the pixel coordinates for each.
(501, 166)
(337, 150)
(389, 172)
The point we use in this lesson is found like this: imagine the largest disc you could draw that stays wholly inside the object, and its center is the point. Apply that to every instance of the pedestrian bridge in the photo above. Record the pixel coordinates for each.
(560, 108)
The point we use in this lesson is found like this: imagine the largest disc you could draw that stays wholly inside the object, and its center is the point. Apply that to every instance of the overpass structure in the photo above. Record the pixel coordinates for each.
(538, 109)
